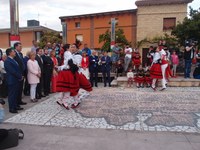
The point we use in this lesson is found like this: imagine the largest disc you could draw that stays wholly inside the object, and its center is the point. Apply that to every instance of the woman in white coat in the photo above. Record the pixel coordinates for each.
(33, 76)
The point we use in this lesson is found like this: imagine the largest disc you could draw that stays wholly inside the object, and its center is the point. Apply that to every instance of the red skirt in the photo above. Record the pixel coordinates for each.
(84, 83)
(148, 80)
(155, 71)
(53, 83)
(139, 79)
(68, 82)
(136, 62)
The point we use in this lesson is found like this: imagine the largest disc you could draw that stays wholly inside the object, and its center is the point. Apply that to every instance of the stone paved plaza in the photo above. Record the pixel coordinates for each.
(175, 109)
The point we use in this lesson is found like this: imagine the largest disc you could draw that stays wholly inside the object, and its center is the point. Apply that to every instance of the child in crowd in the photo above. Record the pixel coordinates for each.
(139, 78)
(119, 68)
(148, 79)
(175, 62)
(130, 76)
(136, 59)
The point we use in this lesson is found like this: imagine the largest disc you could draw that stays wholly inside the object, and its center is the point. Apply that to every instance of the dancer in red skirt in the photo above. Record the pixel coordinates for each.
(139, 79)
(148, 79)
(136, 59)
(155, 71)
(70, 81)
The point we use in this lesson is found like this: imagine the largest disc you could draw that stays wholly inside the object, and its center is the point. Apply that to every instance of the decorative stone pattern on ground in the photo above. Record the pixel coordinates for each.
(176, 109)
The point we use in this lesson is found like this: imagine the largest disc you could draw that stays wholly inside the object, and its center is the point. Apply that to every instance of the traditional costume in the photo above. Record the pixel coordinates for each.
(70, 81)
(148, 79)
(164, 65)
(139, 78)
(155, 70)
(130, 77)
(136, 60)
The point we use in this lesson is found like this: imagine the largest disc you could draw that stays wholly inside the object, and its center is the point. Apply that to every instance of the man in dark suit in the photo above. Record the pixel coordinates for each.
(39, 87)
(14, 77)
(105, 68)
(19, 59)
(48, 70)
(93, 68)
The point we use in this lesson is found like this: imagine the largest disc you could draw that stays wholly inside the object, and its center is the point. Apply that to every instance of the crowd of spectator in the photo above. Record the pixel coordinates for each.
(35, 74)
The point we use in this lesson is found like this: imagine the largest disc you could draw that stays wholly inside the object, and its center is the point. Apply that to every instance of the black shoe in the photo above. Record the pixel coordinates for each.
(13, 111)
(19, 108)
(109, 85)
(42, 96)
(22, 103)
(38, 97)
(163, 89)
(96, 85)
(104, 85)
(73, 106)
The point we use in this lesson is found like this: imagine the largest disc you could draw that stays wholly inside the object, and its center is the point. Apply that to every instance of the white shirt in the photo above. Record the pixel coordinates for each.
(77, 59)
(2, 69)
(67, 56)
(128, 50)
(130, 74)
(163, 54)
(156, 56)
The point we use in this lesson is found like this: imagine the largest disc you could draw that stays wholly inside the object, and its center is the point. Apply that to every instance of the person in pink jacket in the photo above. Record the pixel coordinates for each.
(33, 76)
(175, 62)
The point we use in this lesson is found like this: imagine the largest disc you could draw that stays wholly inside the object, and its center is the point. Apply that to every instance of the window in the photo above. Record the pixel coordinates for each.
(77, 24)
(79, 37)
(169, 23)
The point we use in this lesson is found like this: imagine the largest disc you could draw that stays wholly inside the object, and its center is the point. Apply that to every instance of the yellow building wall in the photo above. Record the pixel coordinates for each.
(150, 18)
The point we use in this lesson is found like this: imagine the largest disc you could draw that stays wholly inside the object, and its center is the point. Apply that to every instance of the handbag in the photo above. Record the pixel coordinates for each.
(12, 139)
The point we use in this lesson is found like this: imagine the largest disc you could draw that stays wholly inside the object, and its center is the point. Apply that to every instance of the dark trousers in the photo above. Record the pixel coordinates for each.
(26, 87)
(188, 65)
(94, 77)
(3, 88)
(47, 83)
(106, 77)
(39, 88)
(19, 94)
(13, 92)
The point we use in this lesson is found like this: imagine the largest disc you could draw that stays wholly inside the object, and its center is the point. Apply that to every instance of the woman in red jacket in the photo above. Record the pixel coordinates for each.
(85, 65)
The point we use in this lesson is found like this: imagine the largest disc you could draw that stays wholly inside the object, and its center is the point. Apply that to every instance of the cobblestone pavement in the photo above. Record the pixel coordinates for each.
(175, 109)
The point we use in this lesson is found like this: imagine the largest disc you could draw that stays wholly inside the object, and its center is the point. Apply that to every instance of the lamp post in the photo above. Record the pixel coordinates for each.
(112, 42)
(14, 22)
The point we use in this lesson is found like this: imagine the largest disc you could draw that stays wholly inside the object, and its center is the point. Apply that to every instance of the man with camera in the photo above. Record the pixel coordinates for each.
(188, 56)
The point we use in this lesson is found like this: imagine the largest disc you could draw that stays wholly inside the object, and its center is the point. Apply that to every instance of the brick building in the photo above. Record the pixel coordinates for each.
(151, 18)
(27, 35)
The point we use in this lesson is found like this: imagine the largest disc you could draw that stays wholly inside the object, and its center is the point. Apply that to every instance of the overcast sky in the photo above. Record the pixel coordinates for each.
(49, 11)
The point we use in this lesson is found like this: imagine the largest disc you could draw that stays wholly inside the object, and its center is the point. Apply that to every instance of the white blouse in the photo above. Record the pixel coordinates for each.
(67, 56)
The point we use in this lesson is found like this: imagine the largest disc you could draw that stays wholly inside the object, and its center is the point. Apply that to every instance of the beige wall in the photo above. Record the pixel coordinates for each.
(150, 19)
(4, 40)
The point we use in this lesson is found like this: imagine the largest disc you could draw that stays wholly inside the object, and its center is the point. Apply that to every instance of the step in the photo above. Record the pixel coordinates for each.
(173, 82)
(114, 83)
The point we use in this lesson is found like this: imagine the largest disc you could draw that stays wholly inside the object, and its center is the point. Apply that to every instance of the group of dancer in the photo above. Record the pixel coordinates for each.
(159, 67)
(71, 79)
